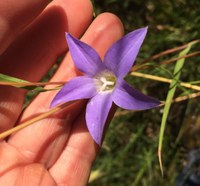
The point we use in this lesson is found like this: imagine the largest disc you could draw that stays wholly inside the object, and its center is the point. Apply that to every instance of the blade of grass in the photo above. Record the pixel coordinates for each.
(166, 80)
(20, 83)
(146, 65)
(186, 97)
(10, 79)
(95, 175)
(172, 50)
(147, 161)
(34, 119)
(170, 95)
(177, 58)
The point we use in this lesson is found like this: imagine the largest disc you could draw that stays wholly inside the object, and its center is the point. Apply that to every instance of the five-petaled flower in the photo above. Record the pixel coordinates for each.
(103, 82)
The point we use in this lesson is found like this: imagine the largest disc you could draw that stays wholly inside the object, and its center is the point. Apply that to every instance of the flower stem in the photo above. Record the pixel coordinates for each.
(166, 80)
(33, 120)
(177, 58)
(20, 84)
(172, 50)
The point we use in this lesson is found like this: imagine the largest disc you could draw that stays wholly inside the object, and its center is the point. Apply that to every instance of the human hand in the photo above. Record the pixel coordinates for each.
(57, 150)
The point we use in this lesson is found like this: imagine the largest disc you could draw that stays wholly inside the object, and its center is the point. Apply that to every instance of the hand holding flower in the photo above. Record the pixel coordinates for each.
(57, 150)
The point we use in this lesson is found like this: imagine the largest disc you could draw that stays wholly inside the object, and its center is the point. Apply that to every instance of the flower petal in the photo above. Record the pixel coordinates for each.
(78, 88)
(84, 56)
(96, 114)
(131, 99)
(121, 56)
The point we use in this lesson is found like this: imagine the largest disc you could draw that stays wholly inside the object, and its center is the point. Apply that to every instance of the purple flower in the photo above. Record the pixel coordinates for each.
(102, 82)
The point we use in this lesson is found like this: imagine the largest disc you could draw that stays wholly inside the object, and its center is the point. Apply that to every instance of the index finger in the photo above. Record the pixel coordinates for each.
(37, 49)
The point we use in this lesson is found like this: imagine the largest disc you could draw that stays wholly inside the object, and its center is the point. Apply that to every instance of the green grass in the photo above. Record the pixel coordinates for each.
(129, 153)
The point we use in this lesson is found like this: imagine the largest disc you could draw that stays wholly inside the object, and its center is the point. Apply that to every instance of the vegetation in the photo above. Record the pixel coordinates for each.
(129, 154)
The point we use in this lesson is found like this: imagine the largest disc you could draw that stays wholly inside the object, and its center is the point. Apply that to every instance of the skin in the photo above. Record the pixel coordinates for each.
(57, 150)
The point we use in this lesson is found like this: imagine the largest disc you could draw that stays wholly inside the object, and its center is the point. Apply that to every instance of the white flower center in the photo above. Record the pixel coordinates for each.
(106, 81)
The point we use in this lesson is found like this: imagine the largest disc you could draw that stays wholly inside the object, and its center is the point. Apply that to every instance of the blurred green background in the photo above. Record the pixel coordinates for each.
(129, 153)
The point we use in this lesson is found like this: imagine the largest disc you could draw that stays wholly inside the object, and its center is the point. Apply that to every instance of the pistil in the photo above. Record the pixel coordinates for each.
(106, 81)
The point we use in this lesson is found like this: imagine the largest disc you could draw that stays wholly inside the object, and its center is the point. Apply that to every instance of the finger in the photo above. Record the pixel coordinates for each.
(74, 164)
(10, 158)
(38, 48)
(78, 155)
(32, 175)
(34, 52)
(35, 174)
(14, 16)
(11, 101)
(49, 136)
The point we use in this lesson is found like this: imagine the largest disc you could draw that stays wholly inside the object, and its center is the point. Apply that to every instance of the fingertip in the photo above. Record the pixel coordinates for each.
(106, 29)
(110, 21)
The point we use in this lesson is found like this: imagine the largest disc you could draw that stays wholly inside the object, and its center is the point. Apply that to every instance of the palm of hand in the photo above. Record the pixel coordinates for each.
(57, 150)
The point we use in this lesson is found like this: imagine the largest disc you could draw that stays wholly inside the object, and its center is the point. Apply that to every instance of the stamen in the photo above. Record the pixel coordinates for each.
(106, 81)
